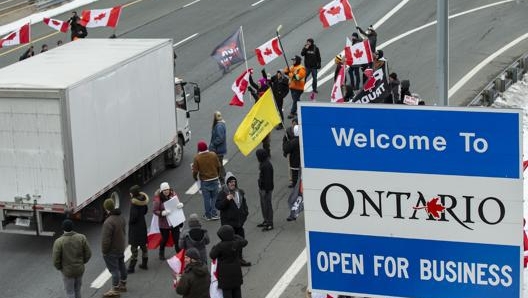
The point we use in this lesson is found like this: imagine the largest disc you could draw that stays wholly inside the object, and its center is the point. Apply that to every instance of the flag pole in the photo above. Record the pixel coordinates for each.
(245, 57)
(282, 48)
(244, 46)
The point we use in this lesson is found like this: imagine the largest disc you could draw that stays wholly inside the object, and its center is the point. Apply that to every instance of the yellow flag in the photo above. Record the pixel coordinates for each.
(257, 124)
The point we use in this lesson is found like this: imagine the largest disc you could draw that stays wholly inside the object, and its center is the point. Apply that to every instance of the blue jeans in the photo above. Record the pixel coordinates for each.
(209, 192)
(72, 286)
(115, 263)
(313, 72)
(296, 97)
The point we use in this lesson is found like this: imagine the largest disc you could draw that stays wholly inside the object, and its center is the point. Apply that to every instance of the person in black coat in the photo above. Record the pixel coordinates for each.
(291, 148)
(312, 61)
(279, 87)
(137, 228)
(231, 202)
(228, 261)
(265, 184)
(195, 237)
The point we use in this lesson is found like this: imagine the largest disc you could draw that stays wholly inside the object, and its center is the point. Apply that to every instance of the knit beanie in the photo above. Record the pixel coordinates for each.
(193, 253)
(67, 225)
(202, 146)
(194, 221)
(109, 204)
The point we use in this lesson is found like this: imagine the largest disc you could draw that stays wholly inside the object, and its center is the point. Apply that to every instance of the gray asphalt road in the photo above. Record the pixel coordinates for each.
(27, 271)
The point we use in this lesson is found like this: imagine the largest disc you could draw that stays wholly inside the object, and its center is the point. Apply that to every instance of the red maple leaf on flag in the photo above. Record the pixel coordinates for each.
(334, 10)
(100, 16)
(358, 53)
(433, 208)
(55, 22)
(267, 52)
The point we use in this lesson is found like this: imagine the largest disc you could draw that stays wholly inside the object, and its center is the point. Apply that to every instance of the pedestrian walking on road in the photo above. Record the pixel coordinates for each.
(297, 76)
(265, 184)
(218, 143)
(113, 248)
(166, 229)
(206, 167)
(231, 202)
(195, 280)
(137, 228)
(70, 252)
(228, 260)
(312, 62)
(195, 237)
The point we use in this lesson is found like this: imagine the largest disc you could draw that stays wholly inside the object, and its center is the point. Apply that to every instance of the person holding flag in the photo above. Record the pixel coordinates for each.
(195, 280)
(297, 75)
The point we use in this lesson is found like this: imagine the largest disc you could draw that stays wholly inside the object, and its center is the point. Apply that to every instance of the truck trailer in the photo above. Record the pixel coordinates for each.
(79, 120)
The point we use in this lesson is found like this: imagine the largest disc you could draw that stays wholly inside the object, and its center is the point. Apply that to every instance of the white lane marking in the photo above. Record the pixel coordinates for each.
(189, 4)
(257, 3)
(194, 188)
(184, 40)
(105, 275)
(288, 276)
(394, 39)
(484, 62)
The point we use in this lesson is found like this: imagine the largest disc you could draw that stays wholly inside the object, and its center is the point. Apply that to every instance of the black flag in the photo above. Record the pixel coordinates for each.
(375, 89)
(230, 51)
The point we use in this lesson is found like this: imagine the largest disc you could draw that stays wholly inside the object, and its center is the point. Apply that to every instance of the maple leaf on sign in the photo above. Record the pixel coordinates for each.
(434, 209)
(100, 16)
(358, 53)
(334, 10)
(267, 52)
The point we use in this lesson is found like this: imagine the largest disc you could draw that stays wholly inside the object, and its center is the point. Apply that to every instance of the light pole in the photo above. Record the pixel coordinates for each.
(442, 52)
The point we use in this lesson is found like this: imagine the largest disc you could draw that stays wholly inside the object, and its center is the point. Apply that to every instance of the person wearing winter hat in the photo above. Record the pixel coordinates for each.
(195, 237)
(228, 263)
(312, 62)
(265, 184)
(291, 148)
(206, 167)
(195, 280)
(137, 227)
(113, 246)
(279, 87)
(218, 142)
(231, 201)
(338, 60)
(70, 252)
(297, 76)
(166, 228)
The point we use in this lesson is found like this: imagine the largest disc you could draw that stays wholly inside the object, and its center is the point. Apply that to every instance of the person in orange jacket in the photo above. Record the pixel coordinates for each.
(297, 75)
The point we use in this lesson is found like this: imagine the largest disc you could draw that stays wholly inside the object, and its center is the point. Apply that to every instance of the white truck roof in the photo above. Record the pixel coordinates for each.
(62, 67)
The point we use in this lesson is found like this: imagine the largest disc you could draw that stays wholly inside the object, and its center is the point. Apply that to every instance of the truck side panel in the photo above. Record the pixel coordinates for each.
(31, 153)
(120, 118)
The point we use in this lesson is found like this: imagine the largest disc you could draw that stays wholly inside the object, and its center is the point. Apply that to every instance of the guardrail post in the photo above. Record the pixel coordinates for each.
(500, 84)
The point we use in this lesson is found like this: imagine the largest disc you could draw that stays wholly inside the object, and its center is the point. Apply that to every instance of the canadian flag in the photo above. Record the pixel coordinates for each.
(240, 87)
(337, 91)
(101, 17)
(335, 12)
(268, 51)
(358, 53)
(154, 235)
(58, 25)
(214, 291)
(177, 262)
(20, 36)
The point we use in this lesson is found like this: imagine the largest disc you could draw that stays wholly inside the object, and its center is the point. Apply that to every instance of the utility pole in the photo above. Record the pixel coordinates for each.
(442, 52)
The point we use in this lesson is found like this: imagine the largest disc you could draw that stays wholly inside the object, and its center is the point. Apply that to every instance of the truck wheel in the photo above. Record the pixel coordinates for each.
(175, 154)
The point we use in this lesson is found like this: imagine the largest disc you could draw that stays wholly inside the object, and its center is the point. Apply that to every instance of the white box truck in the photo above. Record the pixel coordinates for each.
(78, 120)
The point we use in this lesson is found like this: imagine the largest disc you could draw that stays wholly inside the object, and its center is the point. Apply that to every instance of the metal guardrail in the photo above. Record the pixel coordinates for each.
(503, 81)
(43, 4)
